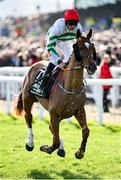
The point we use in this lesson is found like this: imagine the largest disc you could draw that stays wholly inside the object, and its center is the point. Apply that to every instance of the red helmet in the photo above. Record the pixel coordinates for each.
(71, 14)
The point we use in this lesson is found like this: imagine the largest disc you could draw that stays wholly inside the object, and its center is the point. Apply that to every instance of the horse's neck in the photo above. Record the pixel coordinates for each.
(73, 78)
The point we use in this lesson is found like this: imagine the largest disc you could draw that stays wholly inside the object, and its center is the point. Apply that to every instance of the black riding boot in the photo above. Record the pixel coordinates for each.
(45, 79)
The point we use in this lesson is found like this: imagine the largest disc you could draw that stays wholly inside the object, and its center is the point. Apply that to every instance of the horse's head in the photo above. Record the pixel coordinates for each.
(85, 53)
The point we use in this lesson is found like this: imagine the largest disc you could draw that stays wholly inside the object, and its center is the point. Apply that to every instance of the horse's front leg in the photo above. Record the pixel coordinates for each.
(60, 151)
(81, 118)
(55, 132)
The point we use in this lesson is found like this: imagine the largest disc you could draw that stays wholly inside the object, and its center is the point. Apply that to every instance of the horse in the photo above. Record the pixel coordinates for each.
(67, 98)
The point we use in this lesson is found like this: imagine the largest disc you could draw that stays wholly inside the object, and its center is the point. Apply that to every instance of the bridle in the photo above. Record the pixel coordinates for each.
(79, 57)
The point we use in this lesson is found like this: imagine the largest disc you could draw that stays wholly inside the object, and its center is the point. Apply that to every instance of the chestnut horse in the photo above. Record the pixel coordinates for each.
(66, 99)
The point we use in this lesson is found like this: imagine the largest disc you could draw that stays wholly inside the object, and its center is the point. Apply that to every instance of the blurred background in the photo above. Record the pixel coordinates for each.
(24, 24)
(23, 27)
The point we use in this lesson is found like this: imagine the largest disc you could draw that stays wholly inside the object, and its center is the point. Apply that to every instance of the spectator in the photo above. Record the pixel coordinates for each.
(5, 31)
(119, 55)
(34, 59)
(112, 58)
(19, 60)
(105, 73)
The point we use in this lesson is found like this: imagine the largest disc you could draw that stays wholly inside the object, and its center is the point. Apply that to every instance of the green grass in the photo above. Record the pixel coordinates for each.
(102, 159)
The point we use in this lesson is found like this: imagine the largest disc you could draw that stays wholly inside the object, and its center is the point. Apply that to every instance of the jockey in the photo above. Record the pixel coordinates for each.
(60, 38)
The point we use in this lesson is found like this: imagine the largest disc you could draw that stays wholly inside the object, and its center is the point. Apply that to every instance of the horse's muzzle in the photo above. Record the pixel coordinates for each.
(91, 68)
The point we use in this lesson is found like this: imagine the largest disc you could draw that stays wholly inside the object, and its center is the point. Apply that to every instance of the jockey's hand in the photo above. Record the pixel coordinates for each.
(62, 65)
(59, 61)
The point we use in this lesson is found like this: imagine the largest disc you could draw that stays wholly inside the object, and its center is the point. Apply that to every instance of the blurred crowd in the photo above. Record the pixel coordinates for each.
(109, 42)
(22, 40)
(22, 51)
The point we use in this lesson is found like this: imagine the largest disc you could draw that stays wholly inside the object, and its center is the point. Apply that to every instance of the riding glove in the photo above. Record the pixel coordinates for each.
(59, 61)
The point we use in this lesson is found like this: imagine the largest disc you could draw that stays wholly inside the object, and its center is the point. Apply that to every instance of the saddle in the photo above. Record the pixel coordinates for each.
(36, 86)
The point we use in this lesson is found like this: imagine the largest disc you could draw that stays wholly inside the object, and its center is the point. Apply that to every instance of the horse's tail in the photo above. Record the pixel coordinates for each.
(18, 105)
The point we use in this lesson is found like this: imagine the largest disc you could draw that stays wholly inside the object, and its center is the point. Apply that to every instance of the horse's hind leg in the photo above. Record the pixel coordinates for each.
(81, 118)
(28, 102)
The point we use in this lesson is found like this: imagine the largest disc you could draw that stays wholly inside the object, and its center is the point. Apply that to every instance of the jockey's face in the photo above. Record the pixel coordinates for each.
(71, 27)
(71, 24)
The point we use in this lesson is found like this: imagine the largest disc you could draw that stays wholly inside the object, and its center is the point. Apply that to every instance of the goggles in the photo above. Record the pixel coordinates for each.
(72, 22)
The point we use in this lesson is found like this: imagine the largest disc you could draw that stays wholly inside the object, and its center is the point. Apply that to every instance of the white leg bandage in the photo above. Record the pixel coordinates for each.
(30, 138)
(61, 144)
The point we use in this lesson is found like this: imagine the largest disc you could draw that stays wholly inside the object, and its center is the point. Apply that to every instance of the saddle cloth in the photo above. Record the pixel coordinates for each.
(35, 87)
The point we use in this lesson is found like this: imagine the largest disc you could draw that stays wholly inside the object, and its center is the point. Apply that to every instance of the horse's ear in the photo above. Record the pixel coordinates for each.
(78, 34)
(89, 35)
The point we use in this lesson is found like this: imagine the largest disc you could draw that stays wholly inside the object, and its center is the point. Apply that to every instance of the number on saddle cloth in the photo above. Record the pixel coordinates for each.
(35, 87)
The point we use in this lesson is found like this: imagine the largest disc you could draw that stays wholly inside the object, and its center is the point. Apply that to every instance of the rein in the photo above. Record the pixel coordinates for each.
(70, 69)
(69, 92)
(66, 91)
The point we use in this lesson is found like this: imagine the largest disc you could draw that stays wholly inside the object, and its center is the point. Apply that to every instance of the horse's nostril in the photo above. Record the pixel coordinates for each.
(92, 68)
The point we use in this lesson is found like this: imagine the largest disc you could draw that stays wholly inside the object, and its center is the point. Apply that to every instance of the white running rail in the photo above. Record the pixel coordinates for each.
(11, 82)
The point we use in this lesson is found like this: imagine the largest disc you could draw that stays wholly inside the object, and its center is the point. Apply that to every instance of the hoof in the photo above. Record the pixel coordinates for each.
(46, 149)
(28, 148)
(79, 154)
(61, 152)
